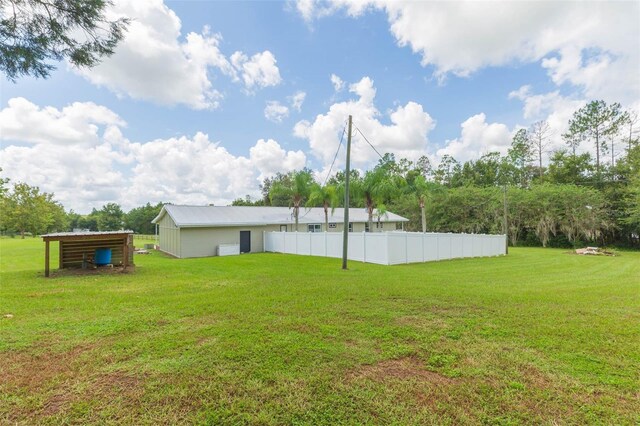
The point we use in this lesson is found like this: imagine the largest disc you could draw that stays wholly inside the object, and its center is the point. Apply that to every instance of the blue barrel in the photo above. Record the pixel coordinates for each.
(103, 256)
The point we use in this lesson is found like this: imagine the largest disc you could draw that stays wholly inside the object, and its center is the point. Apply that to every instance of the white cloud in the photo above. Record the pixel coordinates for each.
(258, 71)
(337, 82)
(297, 99)
(551, 106)
(269, 158)
(154, 63)
(592, 45)
(100, 165)
(313, 9)
(77, 123)
(275, 111)
(406, 136)
(478, 138)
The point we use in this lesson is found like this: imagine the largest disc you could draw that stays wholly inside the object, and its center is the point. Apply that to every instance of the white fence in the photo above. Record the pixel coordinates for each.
(387, 248)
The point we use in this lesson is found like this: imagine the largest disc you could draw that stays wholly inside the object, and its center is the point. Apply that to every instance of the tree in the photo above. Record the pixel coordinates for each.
(518, 158)
(139, 219)
(26, 209)
(424, 166)
(373, 189)
(488, 170)
(297, 192)
(565, 168)
(247, 201)
(326, 196)
(595, 121)
(422, 191)
(538, 137)
(110, 217)
(632, 122)
(280, 199)
(35, 32)
(446, 170)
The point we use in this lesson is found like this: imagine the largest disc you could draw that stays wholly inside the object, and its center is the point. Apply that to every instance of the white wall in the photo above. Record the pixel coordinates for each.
(388, 248)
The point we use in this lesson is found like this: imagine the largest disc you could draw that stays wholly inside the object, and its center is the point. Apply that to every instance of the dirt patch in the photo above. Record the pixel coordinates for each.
(55, 404)
(408, 368)
(46, 293)
(106, 387)
(536, 378)
(34, 370)
(48, 382)
(103, 270)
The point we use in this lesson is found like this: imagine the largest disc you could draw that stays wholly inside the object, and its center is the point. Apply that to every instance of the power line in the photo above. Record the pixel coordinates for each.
(344, 129)
(370, 144)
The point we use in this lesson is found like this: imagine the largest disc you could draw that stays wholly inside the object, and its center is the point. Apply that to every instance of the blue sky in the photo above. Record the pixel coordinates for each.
(181, 112)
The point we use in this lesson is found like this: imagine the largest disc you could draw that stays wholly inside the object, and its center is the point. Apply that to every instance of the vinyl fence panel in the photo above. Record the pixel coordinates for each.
(387, 248)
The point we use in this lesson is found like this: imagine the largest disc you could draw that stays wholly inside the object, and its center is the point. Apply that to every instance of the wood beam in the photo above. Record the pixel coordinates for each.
(46, 258)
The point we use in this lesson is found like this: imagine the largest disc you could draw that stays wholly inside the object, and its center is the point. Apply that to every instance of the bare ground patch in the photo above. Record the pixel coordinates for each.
(407, 368)
(103, 270)
(43, 383)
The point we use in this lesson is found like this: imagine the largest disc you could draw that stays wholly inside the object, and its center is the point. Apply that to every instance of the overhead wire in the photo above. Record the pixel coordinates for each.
(370, 144)
(344, 130)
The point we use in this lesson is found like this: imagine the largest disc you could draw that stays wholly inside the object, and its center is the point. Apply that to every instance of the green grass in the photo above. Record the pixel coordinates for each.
(539, 336)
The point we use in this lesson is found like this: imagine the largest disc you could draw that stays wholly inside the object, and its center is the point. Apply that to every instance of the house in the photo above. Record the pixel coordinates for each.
(202, 231)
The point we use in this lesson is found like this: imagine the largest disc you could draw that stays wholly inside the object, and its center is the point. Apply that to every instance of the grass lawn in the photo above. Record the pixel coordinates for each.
(539, 336)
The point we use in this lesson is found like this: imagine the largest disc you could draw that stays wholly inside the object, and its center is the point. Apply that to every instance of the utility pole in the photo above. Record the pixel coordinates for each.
(345, 233)
(506, 223)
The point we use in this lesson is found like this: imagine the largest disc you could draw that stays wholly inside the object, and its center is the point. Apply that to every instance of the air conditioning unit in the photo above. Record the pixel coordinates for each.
(228, 249)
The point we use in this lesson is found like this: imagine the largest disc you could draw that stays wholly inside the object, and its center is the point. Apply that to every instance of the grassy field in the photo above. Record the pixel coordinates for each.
(538, 337)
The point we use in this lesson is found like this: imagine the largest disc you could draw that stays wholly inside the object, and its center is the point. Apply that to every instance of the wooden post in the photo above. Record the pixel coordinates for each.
(345, 233)
(506, 223)
(46, 258)
(125, 252)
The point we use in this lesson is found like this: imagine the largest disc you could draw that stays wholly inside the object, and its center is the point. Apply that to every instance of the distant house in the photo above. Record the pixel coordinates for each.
(202, 231)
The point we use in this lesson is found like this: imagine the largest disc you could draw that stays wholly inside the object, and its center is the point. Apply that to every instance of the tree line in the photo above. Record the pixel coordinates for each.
(28, 211)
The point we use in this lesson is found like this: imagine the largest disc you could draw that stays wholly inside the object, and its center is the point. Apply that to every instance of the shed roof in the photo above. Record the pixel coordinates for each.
(205, 216)
(84, 235)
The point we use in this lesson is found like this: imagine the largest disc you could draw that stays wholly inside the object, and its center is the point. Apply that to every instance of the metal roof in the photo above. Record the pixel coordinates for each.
(203, 216)
(86, 234)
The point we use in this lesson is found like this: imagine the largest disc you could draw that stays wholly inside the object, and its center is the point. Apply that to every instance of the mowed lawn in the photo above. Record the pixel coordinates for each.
(537, 337)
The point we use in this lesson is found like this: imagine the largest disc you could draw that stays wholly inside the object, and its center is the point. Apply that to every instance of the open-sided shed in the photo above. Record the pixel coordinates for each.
(77, 247)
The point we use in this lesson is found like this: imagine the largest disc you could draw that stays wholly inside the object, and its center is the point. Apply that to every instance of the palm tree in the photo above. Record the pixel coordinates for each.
(327, 196)
(421, 189)
(297, 191)
(375, 186)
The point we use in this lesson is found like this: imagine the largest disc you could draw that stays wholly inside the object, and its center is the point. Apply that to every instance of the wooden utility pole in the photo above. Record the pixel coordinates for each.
(506, 223)
(345, 233)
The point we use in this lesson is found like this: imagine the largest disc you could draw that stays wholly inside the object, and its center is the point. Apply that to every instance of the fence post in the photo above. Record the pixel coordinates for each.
(364, 247)
(406, 248)
(386, 239)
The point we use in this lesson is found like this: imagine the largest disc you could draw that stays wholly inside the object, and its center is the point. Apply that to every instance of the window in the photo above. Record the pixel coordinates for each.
(379, 225)
(283, 228)
(366, 227)
(399, 226)
(314, 227)
(332, 226)
(350, 226)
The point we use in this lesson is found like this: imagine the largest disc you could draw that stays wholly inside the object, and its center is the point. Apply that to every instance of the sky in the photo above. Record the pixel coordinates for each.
(203, 100)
